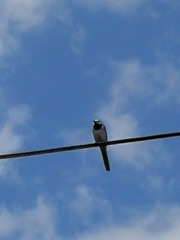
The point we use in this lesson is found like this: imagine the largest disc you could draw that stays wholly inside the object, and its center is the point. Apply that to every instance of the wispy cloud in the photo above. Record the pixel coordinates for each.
(114, 5)
(13, 120)
(23, 14)
(162, 224)
(9, 138)
(84, 207)
(87, 203)
(40, 221)
(37, 222)
(134, 84)
(78, 40)
(16, 17)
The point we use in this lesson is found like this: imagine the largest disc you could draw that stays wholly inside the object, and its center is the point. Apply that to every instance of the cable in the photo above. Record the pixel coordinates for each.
(89, 145)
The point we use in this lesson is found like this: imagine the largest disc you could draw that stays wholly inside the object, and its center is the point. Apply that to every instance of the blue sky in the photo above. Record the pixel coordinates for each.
(62, 64)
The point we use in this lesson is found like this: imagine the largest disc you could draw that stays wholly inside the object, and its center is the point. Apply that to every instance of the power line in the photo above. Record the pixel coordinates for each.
(89, 145)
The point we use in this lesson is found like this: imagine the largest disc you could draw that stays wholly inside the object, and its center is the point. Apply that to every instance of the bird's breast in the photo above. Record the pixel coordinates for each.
(99, 135)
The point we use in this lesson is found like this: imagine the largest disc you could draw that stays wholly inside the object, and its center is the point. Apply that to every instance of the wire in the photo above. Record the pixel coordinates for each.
(89, 145)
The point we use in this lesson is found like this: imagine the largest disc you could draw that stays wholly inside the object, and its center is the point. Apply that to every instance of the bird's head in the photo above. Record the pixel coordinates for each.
(97, 122)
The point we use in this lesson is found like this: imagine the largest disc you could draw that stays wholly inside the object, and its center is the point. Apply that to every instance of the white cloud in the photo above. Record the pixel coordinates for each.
(87, 204)
(162, 224)
(78, 40)
(19, 16)
(23, 14)
(13, 120)
(30, 224)
(63, 11)
(40, 221)
(16, 17)
(82, 202)
(126, 7)
(16, 117)
(134, 86)
(86, 200)
(122, 6)
(135, 80)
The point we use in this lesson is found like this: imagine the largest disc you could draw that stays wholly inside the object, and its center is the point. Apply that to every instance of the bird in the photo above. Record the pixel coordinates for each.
(100, 135)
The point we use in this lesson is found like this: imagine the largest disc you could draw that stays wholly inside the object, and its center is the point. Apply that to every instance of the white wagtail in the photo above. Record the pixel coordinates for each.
(100, 135)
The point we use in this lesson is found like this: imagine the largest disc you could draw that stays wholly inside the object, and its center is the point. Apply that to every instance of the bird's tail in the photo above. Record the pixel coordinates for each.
(105, 157)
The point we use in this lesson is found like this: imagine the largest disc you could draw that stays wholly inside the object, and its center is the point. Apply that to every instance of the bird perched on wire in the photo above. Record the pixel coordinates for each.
(100, 135)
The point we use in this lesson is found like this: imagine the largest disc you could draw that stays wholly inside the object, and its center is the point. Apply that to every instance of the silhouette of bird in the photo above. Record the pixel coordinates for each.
(100, 135)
